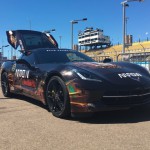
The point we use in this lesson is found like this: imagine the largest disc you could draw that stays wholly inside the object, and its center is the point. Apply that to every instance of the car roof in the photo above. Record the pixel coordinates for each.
(53, 49)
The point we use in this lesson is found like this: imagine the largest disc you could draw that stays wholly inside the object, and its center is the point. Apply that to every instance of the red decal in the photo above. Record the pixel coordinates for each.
(29, 83)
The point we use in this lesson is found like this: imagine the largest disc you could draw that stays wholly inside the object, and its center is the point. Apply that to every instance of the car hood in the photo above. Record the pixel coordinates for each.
(111, 74)
(94, 65)
(115, 74)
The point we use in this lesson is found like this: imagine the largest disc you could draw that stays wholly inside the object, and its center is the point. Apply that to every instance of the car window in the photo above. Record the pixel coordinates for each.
(74, 57)
(34, 41)
(61, 56)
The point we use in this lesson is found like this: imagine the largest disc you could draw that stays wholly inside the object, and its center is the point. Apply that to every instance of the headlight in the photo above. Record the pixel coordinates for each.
(84, 75)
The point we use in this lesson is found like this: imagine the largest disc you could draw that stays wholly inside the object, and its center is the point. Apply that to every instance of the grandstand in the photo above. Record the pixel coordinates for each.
(114, 51)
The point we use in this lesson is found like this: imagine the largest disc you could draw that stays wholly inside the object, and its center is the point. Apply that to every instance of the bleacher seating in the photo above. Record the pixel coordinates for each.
(114, 51)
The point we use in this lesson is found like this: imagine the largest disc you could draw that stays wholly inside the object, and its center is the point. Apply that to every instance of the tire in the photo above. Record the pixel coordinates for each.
(57, 97)
(5, 85)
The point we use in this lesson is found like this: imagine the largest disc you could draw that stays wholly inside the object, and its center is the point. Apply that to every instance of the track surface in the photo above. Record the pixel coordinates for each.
(25, 124)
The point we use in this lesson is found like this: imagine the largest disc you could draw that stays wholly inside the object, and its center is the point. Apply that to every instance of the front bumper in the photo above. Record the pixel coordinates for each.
(94, 97)
(106, 104)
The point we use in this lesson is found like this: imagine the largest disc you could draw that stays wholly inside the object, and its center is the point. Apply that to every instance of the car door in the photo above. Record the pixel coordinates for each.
(29, 40)
(26, 74)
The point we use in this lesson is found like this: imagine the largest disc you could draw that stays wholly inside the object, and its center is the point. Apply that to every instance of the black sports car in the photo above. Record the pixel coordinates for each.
(68, 81)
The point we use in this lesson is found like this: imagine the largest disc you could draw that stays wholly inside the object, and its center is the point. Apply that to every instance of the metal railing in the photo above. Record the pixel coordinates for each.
(142, 58)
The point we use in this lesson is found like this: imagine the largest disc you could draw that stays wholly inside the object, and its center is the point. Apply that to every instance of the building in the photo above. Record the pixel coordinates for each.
(93, 39)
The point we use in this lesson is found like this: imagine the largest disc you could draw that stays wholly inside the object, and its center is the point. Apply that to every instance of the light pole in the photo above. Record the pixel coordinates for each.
(146, 35)
(126, 25)
(60, 40)
(2, 53)
(124, 4)
(72, 23)
(11, 52)
(115, 53)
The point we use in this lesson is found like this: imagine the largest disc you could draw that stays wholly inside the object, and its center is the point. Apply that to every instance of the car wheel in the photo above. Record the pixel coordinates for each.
(57, 97)
(5, 85)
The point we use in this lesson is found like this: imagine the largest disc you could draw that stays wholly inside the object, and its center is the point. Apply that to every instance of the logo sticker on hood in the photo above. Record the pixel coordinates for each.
(129, 75)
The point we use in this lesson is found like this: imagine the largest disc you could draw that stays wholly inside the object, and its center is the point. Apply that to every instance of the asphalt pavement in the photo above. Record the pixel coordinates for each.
(25, 124)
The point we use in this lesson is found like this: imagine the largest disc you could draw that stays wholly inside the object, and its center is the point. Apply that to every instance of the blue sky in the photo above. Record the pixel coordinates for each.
(48, 14)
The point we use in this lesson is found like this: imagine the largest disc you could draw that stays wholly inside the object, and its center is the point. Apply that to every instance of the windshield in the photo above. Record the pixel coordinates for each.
(61, 56)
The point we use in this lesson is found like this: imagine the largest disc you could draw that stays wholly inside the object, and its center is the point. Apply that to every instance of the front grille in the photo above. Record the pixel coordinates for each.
(126, 97)
(138, 91)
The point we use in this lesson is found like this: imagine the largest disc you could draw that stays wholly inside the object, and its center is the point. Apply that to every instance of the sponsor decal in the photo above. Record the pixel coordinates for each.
(28, 82)
(129, 75)
(22, 73)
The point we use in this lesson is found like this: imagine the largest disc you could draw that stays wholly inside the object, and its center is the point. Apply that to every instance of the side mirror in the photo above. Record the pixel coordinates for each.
(34, 68)
(22, 61)
(107, 60)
